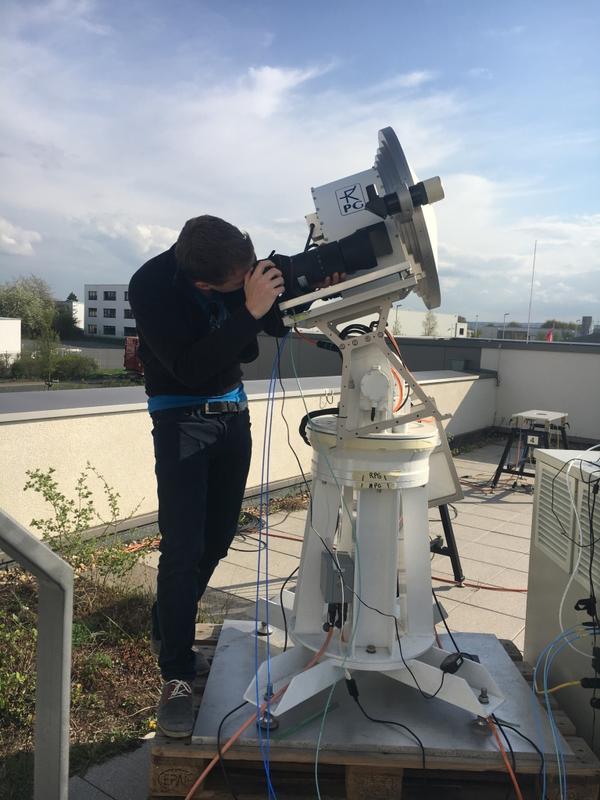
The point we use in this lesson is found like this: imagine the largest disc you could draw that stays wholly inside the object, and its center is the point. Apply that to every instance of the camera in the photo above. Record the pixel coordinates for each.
(359, 251)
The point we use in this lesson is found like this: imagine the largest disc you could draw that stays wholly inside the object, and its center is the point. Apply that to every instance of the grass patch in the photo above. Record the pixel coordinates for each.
(115, 682)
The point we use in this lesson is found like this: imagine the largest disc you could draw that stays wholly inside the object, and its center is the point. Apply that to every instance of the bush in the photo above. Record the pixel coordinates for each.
(25, 366)
(74, 366)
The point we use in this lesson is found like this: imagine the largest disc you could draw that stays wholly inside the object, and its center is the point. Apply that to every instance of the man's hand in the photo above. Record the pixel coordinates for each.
(337, 277)
(262, 286)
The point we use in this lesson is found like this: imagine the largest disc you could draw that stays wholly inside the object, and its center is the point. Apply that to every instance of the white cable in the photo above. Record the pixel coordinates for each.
(578, 561)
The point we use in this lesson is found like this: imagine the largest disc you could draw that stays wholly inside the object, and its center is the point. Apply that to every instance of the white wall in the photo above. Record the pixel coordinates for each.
(10, 337)
(118, 442)
(549, 381)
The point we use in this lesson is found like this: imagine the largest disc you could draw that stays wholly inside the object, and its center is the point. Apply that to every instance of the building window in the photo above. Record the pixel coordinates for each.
(93, 329)
(110, 313)
(461, 331)
(130, 331)
(92, 295)
(109, 330)
(92, 312)
(128, 314)
(126, 296)
(110, 295)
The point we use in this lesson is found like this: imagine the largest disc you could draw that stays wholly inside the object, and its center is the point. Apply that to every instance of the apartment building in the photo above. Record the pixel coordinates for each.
(107, 310)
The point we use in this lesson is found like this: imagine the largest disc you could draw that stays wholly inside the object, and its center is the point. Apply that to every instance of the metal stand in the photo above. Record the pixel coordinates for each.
(450, 549)
(537, 428)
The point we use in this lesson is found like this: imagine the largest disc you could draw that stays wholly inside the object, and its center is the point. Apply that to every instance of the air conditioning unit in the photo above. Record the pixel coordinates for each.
(563, 500)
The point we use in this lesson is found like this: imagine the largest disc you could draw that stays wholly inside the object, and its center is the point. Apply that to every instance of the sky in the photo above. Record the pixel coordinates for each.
(120, 120)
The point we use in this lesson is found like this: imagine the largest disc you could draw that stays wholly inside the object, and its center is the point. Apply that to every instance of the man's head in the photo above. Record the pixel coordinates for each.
(214, 254)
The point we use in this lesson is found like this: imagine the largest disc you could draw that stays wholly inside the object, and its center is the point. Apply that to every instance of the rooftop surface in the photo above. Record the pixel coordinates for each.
(492, 533)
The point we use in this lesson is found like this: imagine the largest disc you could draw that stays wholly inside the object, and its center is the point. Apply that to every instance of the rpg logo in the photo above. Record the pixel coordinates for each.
(350, 199)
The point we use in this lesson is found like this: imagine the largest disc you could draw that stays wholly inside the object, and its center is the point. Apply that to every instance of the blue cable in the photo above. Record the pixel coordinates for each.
(536, 705)
(264, 504)
(561, 641)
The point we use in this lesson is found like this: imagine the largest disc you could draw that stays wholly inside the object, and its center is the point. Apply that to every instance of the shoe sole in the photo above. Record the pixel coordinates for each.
(175, 734)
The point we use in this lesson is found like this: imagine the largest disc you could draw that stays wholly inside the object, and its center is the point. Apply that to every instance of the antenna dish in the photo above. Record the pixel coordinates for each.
(419, 234)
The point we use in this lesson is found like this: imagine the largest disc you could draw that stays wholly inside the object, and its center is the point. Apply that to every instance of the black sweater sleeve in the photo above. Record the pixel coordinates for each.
(190, 360)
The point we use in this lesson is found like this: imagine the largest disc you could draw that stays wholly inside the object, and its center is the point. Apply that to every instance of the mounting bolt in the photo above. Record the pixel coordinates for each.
(263, 629)
(367, 338)
(267, 722)
(370, 648)
(483, 696)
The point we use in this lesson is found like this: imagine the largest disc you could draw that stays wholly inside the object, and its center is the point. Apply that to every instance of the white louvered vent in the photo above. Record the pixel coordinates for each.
(585, 511)
(553, 501)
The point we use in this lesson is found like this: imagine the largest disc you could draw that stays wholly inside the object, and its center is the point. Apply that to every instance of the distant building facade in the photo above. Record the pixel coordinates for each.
(107, 310)
(10, 338)
(403, 322)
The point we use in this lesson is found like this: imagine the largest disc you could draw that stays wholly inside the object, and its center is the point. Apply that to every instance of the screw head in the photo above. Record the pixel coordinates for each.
(370, 648)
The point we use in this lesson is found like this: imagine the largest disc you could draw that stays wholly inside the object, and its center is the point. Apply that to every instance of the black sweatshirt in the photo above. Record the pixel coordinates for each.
(180, 352)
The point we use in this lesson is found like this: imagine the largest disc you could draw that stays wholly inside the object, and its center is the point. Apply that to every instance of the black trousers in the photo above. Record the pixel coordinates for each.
(202, 464)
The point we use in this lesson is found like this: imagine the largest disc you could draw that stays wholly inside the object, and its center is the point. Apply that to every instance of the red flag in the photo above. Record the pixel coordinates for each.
(550, 335)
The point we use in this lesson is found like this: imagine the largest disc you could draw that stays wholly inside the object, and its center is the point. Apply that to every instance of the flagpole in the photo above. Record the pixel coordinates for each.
(531, 290)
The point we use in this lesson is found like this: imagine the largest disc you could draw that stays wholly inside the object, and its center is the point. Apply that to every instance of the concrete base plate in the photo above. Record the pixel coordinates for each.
(444, 729)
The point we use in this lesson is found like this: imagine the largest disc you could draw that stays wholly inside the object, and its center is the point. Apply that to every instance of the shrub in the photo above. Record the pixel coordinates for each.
(74, 366)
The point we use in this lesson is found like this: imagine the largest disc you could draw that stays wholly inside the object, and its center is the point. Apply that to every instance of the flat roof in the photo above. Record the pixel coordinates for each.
(20, 406)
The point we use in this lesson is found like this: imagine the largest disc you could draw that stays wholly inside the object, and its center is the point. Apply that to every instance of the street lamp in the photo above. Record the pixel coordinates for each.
(504, 325)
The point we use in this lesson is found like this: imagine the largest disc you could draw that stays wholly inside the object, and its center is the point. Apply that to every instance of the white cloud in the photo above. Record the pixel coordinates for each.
(15, 240)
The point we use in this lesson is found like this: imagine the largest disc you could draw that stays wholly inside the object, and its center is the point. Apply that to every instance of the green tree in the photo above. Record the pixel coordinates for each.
(65, 323)
(72, 298)
(28, 299)
(559, 325)
(430, 324)
(47, 348)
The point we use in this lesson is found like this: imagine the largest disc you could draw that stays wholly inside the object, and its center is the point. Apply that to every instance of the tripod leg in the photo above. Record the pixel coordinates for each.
(500, 468)
(451, 544)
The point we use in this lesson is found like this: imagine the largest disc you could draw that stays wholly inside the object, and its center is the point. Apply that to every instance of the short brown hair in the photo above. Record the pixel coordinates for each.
(211, 250)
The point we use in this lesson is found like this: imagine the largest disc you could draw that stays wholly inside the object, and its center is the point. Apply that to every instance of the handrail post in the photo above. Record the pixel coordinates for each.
(53, 682)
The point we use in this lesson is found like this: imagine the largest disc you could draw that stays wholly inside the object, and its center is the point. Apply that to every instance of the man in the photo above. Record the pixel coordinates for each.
(198, 309)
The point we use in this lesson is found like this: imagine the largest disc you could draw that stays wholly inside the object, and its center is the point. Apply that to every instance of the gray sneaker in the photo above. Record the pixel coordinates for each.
(175, 716)
(201, 664)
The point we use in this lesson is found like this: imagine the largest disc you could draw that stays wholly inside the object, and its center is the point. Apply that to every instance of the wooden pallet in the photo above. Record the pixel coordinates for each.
(175, 765)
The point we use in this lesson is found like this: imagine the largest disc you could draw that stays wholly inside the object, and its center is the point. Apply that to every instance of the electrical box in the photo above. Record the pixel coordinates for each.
(553, 559)
(331, 579)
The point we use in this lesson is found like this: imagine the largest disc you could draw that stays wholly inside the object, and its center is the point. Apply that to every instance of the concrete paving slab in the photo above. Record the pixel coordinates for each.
(466, 617)
(504, 541)
(475, 570)
(485, 554)
(124, 777)
(512, 604)
(80, 789)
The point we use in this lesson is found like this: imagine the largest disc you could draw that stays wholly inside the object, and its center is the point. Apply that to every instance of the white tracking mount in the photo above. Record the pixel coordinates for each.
(365, 567)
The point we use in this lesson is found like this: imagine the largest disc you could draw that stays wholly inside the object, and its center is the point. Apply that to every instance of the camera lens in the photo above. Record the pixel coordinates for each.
(358, 251)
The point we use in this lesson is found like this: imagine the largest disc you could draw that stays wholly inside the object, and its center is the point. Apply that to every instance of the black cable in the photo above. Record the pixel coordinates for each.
(311, 230)
(397, 724)
(449, 632)
(509, 745)
(587, 483)
(219, 752)
(285, 626)
(527, 739)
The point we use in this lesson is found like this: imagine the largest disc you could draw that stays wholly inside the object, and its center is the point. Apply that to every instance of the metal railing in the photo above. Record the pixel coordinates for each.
(55, 616)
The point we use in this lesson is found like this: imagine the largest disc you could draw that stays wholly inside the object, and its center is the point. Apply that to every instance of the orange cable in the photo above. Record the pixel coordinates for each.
(513, 777)
(400, 384)
(252, 719)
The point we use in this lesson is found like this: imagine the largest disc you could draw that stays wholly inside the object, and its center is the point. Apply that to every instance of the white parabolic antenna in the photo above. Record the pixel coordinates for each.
(419, 234)
(387, 194)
